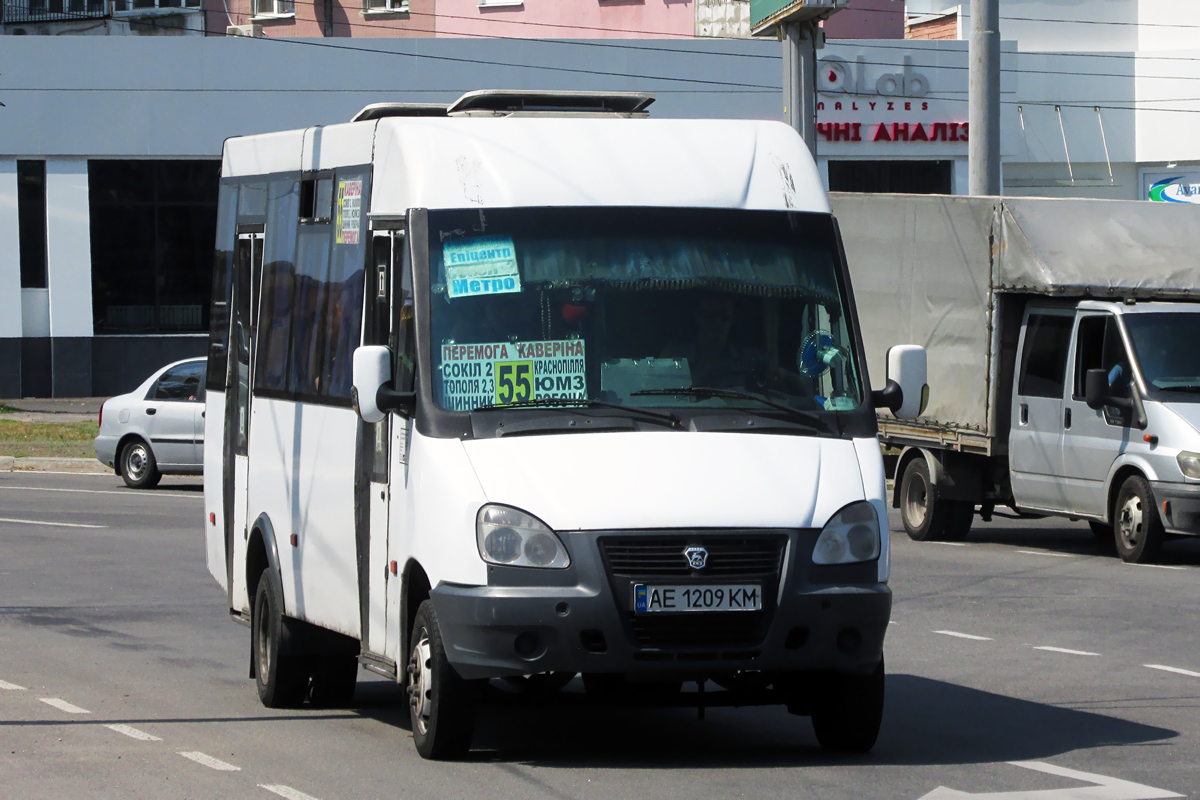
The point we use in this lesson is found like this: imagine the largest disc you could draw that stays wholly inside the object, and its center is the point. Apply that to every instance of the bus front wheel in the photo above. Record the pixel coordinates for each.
(441, 704)
(282, 679)
(849, 712)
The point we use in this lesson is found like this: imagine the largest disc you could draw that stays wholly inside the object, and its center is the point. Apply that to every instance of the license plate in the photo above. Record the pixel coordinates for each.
(692, 597)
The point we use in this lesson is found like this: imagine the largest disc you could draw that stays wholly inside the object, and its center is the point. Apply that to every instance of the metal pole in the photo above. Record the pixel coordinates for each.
(800, 80)
(984, 115)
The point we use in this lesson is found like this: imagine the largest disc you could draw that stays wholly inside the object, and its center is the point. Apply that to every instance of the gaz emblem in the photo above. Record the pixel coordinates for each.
(697, 557)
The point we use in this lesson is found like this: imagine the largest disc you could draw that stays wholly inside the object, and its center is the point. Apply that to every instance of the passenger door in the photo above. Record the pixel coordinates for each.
(1035, 438)
(172, 407)
(248, 259)
(1092, 440)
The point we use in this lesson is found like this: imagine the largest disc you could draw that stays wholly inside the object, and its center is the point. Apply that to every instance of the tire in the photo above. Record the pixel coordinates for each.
(926, 517)
(333, 680)
(1139, 531)
(138, 467)
(282, 679)
(847, 718)
(441, 704)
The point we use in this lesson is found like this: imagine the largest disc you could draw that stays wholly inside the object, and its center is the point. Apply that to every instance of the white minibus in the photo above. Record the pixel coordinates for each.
(533, 387)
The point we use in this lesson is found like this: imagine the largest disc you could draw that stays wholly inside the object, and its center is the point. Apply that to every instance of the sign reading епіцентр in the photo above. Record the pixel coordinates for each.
(482, 265)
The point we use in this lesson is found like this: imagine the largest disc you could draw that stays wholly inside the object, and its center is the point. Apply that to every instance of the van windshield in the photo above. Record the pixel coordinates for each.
(638, 307)
(1164, 345)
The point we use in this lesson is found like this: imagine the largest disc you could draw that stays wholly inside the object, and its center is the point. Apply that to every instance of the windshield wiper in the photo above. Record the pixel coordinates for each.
(564, 402)
(1183, 387)
(705, 392)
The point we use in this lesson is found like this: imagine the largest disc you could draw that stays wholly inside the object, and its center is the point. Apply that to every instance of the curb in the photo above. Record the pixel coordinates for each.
(82, 466)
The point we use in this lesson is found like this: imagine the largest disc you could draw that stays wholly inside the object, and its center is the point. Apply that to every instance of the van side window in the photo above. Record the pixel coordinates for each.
(1044, 357)
(1099, 346)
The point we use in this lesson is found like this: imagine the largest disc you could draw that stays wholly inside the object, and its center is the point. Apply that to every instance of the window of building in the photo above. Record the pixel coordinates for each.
(386, 5)
(138, 5)
(274, 8)
(31, 221)
(908, 177)
(153, 226)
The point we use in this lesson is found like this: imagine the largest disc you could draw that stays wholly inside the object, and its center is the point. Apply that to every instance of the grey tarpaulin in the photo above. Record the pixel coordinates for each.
(925, 267)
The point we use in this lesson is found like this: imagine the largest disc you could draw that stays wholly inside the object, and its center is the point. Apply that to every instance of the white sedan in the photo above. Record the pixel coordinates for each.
(156, 429)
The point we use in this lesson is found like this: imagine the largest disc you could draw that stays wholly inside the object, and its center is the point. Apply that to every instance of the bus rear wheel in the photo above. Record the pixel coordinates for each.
(441, 704)
(282, 679)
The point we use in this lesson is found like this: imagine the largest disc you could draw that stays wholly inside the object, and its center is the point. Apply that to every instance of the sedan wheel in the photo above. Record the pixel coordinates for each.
(138, 467)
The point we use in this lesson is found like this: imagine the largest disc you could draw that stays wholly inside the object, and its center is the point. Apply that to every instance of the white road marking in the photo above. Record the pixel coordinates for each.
(1176, 670)
(965, 636)
(1068, 652)
(1158, 566)
(126, 493)
(210, 762)
(53, 524)
(1102, 788)
(133, 733)
(63, 705)
(11, 687)
(949, 544)
(286, 791)
(1045, 553)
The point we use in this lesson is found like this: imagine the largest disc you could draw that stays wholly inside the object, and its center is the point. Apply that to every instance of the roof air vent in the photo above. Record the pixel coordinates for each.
(501, 102)
(380, 110)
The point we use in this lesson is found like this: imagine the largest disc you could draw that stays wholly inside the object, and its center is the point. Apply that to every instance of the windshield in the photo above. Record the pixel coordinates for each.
(1164, 345)
(638, 307)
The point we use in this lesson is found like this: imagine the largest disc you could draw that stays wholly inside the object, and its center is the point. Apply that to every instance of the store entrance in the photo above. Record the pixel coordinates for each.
(908, 177)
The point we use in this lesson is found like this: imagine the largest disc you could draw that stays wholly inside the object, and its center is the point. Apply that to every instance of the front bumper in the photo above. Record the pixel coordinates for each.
(579, 620)
(1178, 506)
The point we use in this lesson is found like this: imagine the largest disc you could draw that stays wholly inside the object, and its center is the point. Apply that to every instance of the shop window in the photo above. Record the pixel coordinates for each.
(153, 227)
(907, 177)
(31, 219)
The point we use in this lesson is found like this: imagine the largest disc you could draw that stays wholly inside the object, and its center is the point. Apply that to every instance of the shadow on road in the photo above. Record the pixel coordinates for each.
(927, 722)
(1074, 538)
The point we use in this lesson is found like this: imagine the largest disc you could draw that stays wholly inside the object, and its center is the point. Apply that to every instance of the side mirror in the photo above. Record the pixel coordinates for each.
(1095, 388)
(906, 392)
(372, 393)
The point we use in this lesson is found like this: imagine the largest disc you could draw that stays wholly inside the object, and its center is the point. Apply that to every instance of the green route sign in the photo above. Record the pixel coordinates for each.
(766, 15)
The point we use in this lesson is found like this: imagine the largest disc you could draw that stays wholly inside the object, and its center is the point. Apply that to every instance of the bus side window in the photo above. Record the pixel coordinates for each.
(404, 336)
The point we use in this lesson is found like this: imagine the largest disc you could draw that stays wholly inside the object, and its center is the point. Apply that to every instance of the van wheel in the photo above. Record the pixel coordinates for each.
(1139, 531)
(926, 517)
(333, 680)
(847, 718)
(138, 467)
(541, 684)
(441, 704)
(282, 679)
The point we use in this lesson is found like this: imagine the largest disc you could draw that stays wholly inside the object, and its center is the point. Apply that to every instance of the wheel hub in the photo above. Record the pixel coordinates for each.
(1131, 521)
(263, 644)
(420, 683)
(136, 462)
(916, 498)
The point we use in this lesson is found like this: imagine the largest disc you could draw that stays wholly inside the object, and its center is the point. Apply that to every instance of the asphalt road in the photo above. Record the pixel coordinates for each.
(121, 676)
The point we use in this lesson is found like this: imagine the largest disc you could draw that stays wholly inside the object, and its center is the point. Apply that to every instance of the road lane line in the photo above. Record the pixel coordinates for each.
(126, 493)
(209, 761)
(54, 524)
(971, 636)
(63, 705)
(1065, 650)
(1045, 553)
(133, 733)
(949, 544)
(1158, 566)
(11, 687)
(1176, 670)
(286, 791)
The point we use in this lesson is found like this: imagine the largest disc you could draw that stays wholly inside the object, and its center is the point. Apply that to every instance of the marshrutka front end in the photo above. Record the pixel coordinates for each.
(535, 388)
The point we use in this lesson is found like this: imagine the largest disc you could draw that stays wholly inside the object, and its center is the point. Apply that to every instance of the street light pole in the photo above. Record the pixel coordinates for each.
(984, 112)
(800, 79)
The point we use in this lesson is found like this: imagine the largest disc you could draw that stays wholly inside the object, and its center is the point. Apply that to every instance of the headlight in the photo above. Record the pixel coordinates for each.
(513, 538)
(850, 536)
(1189, 464)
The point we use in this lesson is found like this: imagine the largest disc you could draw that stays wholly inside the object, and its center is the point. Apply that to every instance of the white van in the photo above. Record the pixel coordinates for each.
(533, 387)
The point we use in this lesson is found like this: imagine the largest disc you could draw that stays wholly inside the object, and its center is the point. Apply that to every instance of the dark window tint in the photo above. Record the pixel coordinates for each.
(1099, 346)
(275, 305)
(153, 225)
(1044, 358)
(181, 382)
(31, 216)
(222, 290)
(910, 177)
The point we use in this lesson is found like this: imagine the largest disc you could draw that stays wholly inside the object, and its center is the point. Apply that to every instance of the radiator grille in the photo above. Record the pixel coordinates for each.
(729, 556)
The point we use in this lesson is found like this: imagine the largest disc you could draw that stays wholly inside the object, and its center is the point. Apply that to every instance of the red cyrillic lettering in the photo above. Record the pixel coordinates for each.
(966, 130)
(881, 133)
(939, 129)
(856, 136)
(900, 131)
(919, 135)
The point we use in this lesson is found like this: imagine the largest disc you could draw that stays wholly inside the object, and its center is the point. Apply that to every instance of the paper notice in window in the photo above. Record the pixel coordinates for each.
(349, 212)
(484, 265)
